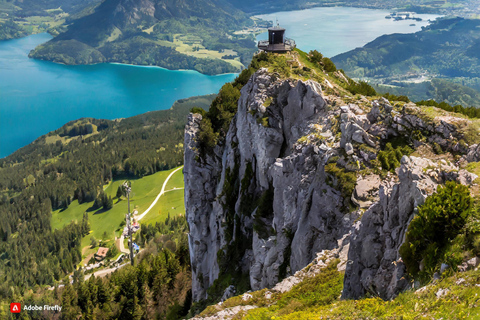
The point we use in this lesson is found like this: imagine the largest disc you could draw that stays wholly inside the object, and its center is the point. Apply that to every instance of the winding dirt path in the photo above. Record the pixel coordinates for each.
(138, 218)
(159, 195)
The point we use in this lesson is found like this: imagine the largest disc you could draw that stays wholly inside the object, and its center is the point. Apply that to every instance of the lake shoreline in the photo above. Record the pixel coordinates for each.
(183, 70)
(130, 65)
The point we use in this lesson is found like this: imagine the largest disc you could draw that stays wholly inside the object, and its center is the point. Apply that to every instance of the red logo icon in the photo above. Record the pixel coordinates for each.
(15, 307)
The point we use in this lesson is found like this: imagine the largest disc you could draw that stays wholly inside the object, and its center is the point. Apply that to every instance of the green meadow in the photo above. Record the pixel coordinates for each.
(105, 225)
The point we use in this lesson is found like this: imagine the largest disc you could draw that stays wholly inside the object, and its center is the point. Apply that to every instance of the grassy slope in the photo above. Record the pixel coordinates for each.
(460, 302)
(318, 298)
(171, 202)
(144, 192)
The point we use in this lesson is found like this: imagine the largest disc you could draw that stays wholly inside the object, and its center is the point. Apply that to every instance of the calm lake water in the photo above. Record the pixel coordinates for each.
(37, 96)
(335, 30)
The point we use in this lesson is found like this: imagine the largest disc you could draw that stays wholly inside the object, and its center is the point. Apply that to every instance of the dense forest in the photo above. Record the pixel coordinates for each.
(74, 162)
(157, 287)
(11, 30)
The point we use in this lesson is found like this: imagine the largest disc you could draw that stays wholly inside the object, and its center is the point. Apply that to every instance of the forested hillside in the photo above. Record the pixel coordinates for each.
(10, 30)
(156, 32)
(74, 162)
(19, 18)
(157, 287)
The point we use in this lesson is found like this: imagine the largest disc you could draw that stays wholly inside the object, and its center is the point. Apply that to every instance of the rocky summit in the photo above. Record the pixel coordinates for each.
(308, 165)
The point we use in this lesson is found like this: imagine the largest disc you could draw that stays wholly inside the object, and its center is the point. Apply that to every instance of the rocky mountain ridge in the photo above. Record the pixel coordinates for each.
(305, 167)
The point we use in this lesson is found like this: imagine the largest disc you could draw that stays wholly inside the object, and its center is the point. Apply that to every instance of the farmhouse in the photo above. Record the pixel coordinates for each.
(101, 253)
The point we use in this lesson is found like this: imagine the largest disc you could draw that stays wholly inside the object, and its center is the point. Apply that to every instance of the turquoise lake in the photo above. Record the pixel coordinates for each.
(38, 96)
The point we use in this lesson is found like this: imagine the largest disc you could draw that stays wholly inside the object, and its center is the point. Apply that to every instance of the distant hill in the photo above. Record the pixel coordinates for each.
(447, 48)
(436, 89)
(20, 18)
(166, 33)
(40, 7)
(446, 52)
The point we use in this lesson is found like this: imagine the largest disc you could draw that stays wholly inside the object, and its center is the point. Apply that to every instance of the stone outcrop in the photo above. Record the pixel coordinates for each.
(473, 154)
(375, 265)
(366, 190)
(315, 267)
(229, 313)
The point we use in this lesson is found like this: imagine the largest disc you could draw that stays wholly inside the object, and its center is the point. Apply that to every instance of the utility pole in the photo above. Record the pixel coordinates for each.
(128, 217)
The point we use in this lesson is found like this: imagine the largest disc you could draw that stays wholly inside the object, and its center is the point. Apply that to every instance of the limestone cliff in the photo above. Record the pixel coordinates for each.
(298, 173)
(306, 215)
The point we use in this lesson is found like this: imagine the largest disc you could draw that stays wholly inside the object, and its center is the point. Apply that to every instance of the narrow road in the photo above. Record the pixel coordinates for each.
(138, 218)
(104, 272)
(99, 273)
(122, 246)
